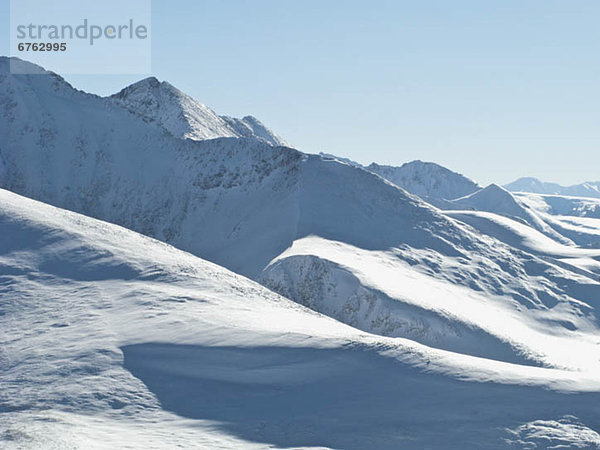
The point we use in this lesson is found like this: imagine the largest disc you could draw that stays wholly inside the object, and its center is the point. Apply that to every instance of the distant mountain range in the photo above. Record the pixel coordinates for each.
(426, 179)
(529, 184)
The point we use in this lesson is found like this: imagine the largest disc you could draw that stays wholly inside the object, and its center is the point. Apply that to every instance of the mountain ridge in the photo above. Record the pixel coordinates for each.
(184, 117)
(536, 186)
(430, 181)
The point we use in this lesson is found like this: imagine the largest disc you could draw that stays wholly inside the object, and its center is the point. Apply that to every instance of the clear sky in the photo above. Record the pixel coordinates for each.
(494, 89)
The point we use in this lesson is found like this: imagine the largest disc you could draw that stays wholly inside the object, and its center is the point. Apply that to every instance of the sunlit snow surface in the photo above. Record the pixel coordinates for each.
(114, 340)
(470, 326)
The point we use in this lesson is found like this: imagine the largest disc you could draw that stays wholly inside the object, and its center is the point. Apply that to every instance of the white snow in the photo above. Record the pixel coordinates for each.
(498, 200)
(184, 117)
(112, 339)
(427, 180)
(432, 182)
(527, 238)
(533, 185)
(562, 205)
(460, 328)
(531, 332)
(576, 218)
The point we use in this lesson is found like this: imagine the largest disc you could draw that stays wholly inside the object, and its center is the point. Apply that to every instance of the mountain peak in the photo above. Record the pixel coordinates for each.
(170, 108)
(150, 82)
(491, 191)
(427, 179)
(493, 187)
(492, 198)
(184, 117)
(148, 86)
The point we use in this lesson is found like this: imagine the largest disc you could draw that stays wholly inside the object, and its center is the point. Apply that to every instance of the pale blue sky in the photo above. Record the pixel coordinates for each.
(493, 89)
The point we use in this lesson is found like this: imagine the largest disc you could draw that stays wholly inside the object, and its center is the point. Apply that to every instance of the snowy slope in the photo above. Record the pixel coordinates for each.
(562, 205)
(533, 185)
(113, 340)
(521, 236)
(577, 218)
(498, 200)
(435, 299)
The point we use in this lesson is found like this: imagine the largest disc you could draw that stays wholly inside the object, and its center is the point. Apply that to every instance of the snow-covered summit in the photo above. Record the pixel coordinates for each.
(427, 180)
(184, 117)
(430, 181)
(492, 197)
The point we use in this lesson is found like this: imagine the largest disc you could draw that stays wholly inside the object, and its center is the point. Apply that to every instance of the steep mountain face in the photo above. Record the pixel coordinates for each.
(184, 117)
(242, 203)
(427, 180)
(533, 185)
(114, 340)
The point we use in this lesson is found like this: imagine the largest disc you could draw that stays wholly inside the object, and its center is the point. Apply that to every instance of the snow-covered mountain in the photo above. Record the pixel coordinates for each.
(250, 199)
(114, 340)
(482, 283)
(430, 181)
(533, 185)
(184, 117)
(493, 197)
(92, 155)
(238, 202)
(427, 180)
